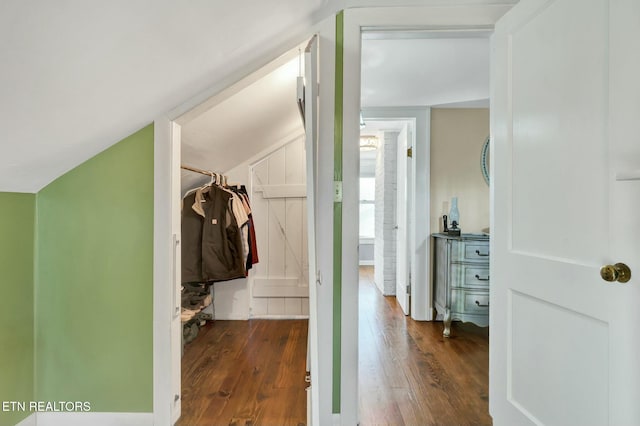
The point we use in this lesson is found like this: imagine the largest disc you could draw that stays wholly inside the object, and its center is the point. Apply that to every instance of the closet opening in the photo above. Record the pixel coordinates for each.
(243, 273)
(425, 102)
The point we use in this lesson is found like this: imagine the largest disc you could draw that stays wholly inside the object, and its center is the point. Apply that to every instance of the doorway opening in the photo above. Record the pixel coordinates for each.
(385, 203)
(426, 94)
(237, 362)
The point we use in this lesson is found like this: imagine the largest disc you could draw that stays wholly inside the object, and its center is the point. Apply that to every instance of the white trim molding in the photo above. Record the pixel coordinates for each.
(29, 421)
(93, 419)
(456, 17)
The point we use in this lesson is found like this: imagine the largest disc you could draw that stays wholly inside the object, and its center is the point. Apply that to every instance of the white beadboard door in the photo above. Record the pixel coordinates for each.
(565, 149)
(278, 202)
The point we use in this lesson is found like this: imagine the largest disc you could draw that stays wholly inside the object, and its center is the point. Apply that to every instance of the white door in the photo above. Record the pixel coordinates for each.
(311, 146)
(402, 213)
(565, 344)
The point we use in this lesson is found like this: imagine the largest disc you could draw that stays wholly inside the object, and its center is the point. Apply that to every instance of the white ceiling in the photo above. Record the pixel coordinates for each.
(245, 124)
(425, 71)
(395, 72)
(78, 76)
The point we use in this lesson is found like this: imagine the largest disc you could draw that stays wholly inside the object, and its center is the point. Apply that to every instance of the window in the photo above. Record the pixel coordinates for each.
(367, 207)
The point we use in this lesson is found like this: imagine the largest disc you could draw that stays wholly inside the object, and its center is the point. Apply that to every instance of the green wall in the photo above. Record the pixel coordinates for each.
(17, 215)
(94, 290)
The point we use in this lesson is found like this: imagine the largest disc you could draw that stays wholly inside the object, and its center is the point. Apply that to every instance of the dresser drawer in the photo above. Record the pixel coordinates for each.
(470, 302)
(476, 251)
(469, 275)
(461, 279)
(470, 251)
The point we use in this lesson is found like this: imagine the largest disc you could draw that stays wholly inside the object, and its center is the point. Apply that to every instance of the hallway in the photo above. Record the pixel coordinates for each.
(252, 372)
(411, 375)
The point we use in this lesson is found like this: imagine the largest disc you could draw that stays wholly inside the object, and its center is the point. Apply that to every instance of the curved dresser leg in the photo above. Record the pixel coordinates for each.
(447, 323)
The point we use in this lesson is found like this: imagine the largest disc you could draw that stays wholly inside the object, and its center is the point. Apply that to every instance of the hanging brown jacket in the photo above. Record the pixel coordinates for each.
(211, 239)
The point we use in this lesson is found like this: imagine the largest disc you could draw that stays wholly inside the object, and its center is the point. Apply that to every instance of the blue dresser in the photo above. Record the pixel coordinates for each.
(461, 278)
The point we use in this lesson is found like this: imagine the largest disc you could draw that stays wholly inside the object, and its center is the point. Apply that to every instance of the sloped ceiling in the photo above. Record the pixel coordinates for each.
(450, 72)
(76, 76)
(245, 124)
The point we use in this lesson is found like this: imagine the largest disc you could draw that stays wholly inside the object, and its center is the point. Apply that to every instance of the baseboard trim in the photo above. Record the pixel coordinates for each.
(29, 421)
(93, 419)
(280, 317)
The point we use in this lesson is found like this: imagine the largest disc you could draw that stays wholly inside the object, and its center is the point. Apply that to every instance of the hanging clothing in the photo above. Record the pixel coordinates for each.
(252, 246)
(212, 248)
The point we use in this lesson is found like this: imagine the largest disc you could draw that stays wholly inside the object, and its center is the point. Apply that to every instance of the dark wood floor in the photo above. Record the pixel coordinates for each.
(246, 373)
(252, 372)
(410, 374)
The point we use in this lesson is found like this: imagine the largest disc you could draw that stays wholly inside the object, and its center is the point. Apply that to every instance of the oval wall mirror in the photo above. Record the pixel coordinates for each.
(484, 160)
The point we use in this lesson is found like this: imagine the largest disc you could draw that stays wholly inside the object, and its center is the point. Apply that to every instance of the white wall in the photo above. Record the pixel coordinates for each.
(234, 299)
(385, 221)
(366, 251)
(457, 137)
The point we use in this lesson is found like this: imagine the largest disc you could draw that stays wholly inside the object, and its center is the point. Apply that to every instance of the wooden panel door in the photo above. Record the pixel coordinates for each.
(280, 281)
(565, 89)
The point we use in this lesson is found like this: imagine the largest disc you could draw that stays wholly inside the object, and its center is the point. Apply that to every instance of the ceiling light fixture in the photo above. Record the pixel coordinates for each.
(368, 143)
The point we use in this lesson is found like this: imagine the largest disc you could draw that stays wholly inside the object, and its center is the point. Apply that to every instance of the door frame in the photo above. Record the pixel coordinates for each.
(421, 301)
(167, 215)
(437, 18)
(456, 18)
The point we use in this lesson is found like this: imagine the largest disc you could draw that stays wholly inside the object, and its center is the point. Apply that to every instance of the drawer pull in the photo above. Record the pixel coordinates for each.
(481, 254)
(480, 305)
(482, 279)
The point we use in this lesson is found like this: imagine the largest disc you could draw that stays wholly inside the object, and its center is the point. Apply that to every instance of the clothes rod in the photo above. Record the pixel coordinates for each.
(196, 170)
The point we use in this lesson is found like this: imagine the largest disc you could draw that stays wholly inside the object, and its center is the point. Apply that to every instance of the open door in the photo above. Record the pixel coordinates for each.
(403, 250)
(311, 145)
(565, 185)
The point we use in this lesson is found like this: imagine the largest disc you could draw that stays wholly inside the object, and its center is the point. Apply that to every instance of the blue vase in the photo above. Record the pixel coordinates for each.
(454, 214)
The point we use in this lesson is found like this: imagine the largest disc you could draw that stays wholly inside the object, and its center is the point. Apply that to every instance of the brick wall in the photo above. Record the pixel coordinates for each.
(385, 216)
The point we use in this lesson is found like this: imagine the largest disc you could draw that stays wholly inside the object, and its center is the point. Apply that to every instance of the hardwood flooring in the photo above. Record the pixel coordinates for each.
(252, 372)
(246, 373)
(410, 374)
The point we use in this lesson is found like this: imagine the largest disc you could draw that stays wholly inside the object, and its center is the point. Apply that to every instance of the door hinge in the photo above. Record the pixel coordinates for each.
(410, 152)
(337, 191)
(409, 289)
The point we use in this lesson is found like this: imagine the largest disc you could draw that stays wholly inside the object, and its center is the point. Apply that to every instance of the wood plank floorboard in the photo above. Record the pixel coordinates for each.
(252, 372)
(246, 373)
(410, 374)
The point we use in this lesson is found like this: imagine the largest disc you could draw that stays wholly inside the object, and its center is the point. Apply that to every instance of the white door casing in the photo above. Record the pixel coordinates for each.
(311, 146)
(176, 322)
(418, 120)
(564, 343)
(403, 208)
(436, 18)
(167, 330)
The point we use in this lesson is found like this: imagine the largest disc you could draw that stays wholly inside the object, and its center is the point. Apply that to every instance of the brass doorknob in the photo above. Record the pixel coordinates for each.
(618, 272)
